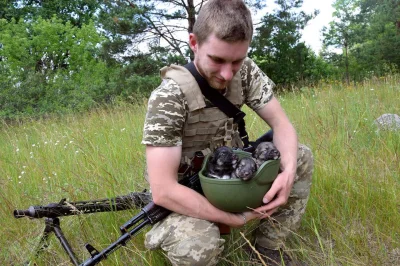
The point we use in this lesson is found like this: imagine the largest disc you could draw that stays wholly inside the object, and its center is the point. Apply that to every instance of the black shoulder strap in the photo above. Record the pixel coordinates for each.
(218, 100)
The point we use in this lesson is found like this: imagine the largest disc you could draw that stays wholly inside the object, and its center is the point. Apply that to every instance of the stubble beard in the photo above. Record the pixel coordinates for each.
(211, 79)
(217, 85)
(213, 82)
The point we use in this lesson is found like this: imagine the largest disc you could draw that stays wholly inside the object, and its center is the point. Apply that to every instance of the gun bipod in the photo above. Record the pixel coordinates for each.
(52, 225)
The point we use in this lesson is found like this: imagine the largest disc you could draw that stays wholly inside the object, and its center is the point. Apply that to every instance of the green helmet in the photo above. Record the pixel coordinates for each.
(236, 195)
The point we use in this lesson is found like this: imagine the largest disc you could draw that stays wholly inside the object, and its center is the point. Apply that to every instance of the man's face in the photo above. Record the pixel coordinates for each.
(218, 61)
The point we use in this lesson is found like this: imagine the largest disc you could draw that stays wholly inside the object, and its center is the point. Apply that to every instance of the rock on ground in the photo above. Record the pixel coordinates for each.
(388, 122)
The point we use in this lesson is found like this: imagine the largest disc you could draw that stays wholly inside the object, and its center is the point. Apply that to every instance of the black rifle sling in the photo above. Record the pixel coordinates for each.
(218, 100)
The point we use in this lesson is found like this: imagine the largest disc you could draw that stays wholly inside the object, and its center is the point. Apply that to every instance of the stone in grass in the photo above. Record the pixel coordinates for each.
(388, 122)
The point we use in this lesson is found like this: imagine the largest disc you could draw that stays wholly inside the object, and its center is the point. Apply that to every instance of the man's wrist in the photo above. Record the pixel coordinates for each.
(290, 169)
(244, 218)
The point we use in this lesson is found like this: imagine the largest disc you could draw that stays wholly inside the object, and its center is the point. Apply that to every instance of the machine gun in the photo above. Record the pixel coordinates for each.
(149, 215)
(64, 208)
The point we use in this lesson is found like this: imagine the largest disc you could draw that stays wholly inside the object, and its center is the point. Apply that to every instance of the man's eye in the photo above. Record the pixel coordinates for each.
(218, 60)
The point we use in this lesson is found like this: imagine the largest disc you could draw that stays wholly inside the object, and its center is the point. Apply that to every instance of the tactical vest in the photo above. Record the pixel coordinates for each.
(205, 127)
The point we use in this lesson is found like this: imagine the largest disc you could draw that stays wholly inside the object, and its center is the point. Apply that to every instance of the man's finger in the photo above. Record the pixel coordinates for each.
(266, 208)
(268, 213)
(270, 194)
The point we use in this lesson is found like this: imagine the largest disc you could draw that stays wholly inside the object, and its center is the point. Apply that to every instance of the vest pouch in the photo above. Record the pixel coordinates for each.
(236, 140)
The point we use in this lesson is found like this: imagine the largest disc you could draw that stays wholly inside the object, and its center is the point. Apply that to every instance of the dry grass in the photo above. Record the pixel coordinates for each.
(352, 218)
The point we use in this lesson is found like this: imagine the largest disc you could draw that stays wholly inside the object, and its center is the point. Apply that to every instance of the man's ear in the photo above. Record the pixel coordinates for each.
(193, 42)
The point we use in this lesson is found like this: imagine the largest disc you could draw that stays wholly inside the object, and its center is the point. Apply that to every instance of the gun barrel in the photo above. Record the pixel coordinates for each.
(52, 210)
(23, 213)
(63, 208)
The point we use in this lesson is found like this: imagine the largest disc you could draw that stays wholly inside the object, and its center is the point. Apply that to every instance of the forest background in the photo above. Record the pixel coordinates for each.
(59, 57)
(87, 68)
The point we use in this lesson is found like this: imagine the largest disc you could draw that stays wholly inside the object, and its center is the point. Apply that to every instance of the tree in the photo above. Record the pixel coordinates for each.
(47, 45)
(276, 46)
(158, 23)
(48, 66)
(344, 30)
(368, 33)
(382, 36)
(77, 12)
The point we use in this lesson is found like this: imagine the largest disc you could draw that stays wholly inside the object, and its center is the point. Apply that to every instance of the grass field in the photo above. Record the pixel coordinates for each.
(353, 215)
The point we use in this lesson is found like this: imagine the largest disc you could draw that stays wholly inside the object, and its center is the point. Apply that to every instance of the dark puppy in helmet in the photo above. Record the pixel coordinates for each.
(265, 151)
(225, 164)
(246, 169)
(222, 163)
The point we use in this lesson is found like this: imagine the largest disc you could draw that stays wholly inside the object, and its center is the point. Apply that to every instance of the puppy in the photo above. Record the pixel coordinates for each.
(265, 151)
(246, 169)
(222, 163)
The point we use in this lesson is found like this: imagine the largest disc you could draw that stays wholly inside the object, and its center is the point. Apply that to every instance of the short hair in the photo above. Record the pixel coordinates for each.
(229, 20)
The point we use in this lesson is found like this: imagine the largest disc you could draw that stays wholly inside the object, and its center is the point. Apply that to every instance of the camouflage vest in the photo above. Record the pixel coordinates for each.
(205, 127)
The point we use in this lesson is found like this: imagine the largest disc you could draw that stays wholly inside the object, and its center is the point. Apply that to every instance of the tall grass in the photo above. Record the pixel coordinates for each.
(353, 215)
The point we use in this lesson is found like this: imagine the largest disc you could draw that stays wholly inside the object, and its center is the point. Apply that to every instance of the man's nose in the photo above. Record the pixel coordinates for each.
(227, 71)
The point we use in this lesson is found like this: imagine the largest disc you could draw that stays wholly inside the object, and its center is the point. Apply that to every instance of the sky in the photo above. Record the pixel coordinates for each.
(312, 33)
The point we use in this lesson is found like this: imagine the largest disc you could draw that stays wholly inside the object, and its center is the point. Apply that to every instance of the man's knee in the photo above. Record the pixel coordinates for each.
(186, 240)
(202, 248)
(305, 163)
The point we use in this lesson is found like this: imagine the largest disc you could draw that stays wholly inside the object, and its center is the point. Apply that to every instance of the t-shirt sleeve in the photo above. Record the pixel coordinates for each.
(166, 112)
(258, 88)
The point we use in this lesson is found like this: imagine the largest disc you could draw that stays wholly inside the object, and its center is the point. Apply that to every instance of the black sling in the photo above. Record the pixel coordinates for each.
(218, 100)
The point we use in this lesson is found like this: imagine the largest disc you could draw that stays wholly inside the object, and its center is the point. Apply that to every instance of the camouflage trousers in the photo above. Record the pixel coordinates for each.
(190, 241)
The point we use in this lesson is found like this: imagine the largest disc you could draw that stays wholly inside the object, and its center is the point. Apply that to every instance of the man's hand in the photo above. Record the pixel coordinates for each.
(162, 165)
(285, 140)
(278, 194)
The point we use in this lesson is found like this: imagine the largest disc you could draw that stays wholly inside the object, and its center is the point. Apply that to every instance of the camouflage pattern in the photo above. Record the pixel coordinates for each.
(190, 241)
(257, 86)
(166, 114)
(168, 108)
(272, 232)
(186, 240)
(176, 117)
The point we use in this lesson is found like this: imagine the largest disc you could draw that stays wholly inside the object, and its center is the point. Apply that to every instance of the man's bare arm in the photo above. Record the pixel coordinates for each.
(285, 139)
(162, 167)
